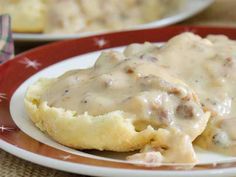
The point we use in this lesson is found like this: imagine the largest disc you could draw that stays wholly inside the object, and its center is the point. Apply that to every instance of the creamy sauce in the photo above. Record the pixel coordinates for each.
(142, 81)
(136, 85)
(206, 65)
(170, 146)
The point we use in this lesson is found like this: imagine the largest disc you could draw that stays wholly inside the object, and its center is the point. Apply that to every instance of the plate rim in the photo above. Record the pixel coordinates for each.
(105, 171)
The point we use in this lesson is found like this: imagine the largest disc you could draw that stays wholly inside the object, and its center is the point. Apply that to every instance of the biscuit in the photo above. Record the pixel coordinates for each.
(51, 16)
(26, 16)
(113, 131)
(121, 105)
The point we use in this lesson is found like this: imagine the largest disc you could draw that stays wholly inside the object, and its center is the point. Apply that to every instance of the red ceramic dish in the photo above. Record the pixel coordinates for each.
(14, 72)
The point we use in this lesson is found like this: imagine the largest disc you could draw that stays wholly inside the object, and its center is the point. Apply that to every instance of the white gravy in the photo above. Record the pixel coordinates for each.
(141, 81)
(136, 85)
(206, 65)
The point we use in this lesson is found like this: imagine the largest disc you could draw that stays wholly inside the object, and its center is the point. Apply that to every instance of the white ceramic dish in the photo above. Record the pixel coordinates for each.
(20, 137)
(79, 62)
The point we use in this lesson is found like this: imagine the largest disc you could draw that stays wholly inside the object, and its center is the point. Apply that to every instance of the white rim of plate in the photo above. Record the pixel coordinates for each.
(105, 171)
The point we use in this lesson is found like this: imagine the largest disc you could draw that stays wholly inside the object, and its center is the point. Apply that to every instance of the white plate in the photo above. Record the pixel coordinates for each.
(25, 124)
(188, 9)
(17, 74)
(84, 61)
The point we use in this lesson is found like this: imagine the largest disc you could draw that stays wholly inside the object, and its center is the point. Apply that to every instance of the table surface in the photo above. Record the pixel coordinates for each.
(221, 13)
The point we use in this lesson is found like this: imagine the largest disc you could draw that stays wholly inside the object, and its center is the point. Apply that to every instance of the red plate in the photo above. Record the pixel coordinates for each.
(14, 72)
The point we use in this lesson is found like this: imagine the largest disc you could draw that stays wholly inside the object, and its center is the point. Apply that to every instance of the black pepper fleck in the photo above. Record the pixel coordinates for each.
(228, 62)
(84, 101)
(148, 58)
